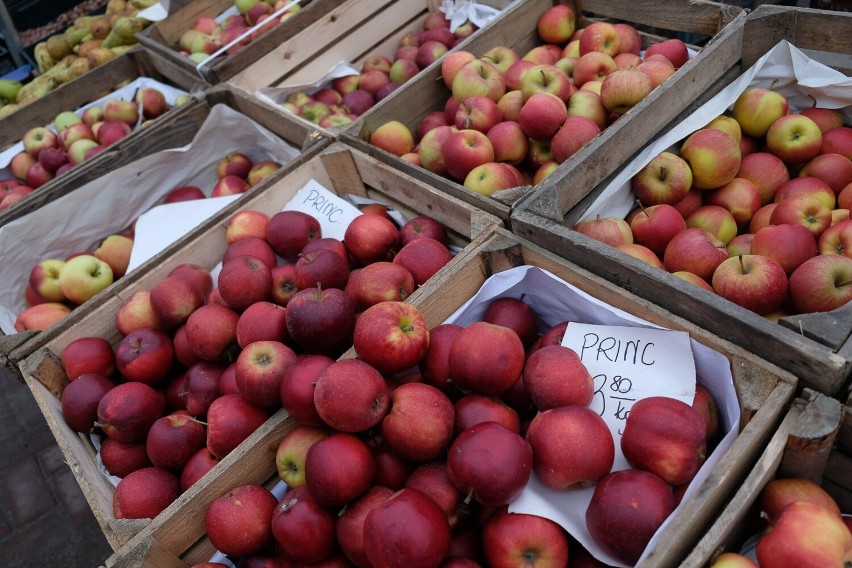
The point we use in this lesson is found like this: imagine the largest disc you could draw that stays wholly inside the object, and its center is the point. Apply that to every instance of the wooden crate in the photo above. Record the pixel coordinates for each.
(162, 37)
(353, 31)
(173, 131)
(804, 446)
(815, 347)
(516, 28)
(339, 169)
(178, 540)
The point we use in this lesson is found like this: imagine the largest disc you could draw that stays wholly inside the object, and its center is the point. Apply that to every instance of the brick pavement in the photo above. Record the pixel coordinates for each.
(44, 519)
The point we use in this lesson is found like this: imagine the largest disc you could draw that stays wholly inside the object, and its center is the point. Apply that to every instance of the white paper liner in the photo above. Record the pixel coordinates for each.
(125, 93)
(278, 95)
(555, 300)
(784, 69)
(77, 221)
(157, 12)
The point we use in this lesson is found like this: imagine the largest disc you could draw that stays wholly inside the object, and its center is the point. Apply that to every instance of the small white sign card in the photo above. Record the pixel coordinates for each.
(333, 212)
(628, 364)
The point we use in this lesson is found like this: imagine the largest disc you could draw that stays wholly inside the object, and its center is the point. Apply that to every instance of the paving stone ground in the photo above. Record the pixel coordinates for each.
(44, 519)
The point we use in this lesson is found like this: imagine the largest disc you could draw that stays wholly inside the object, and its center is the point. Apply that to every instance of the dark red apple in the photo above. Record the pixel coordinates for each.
(145, 355)
(289, 231)
(123, 458)
(80, 400)
(297, 389)
(351, 396)
(321, 321)
(127, 411)
(339, 469)
(259, 368)
(88, 355)
(239, 522)
(173, 439)
(145, 493)
(515, 314)
(302, 528)
(419, 425)
(230, 420)
(486, 358)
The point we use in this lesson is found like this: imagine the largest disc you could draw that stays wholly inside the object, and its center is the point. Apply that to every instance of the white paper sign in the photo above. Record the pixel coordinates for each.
(332, 211)
(629, 364)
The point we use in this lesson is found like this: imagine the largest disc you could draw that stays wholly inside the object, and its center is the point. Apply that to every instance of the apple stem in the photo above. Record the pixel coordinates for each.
(742, 264)
(197, 421)
(343, 510)
(639, 203)
(408, 327)
(468, 497)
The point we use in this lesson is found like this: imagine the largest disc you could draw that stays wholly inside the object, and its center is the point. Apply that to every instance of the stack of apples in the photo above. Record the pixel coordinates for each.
(56, 286)
(754, 207)
(49, 153)
(803, 527)
(410, 453)
(255, 18)
(512, 119)
(192, 351)
(348, 97)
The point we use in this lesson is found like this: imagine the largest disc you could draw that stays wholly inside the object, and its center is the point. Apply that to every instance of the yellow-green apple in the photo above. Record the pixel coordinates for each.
(556, 24)
(788, 245)
(41, 316)
(211, 331)
(145, 493)
(262, 170)
(665, 436)
(826, 118)
(714, 157)
(44, 279)
(766, 171)
(542, 115)
(297, 388)
(600, 36)
(93, 115)
(51, 159)
(672, 49)
(65, 119)
(477, 113)
(544, 170)
(821, 283)
(87, 355)
(391, 336)
(658, 70)
(779, 493)
(593, 66)
(393, 137)
(740, 197)
(452, 63)
(291, 453)
(655, 226)
(726, 124)
(539, 153)
(806, 186)
(588, 104)
(124, 111)
(837, 239)
(478, 77)
(313, 111)
(838, 141)
(806, 210)
(83, 276)
(233, 164)
(151, 101)
(794, 138)
(613, 231)
(339, 469)
(757, 108)
(425, 438)
(429, 52)
(466, 149)
(716, 220)
(510, 143)
(621, 90)
(833, 169)
(430, 149)
(515, 314)
(501, 57)
(371, 238)
(665, 179)
(36, 139)
(626, 509)
(491, 177)
(805, 534)
(401, 71)
(259, 368)
(542, 55)
(473, 364)
(351, 396)
(423, 258)
(732, 560)
(517, 539)
(491, 463)
(695, 250)
(755, 282)
(574, 133)
(240, 521)
(126, 411)
(546, 79)
(289, 231)
(243, 281)
(321, 321)
(78, 152)
(515, 74)
(572, 446)
(115, 251)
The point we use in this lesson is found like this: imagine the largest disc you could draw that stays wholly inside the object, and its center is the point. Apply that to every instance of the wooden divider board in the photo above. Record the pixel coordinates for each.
(337, 168)
(156, 545)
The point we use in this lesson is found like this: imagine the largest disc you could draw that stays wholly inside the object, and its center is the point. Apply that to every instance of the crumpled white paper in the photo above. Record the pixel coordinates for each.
(157, 12)
(77, 221)
(784, 68)
(459, 11)
(555, 300)
(278, 95)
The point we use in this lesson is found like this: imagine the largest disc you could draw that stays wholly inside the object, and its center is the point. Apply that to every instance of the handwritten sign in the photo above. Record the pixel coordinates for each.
(333, 212)
(631, 363)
